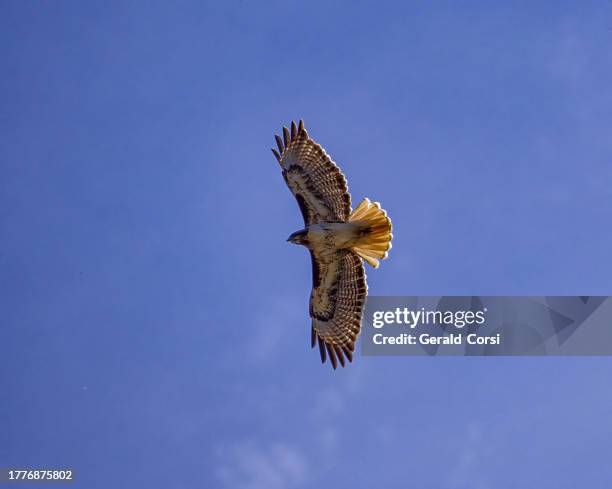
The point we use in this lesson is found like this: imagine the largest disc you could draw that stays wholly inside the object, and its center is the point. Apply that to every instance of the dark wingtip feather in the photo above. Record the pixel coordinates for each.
(313, 337)
(279, 143)
(322, 350)
(348, 354)
(293, 130)
(286, 137)
(276, 155)
(332, 356)
(339, 355)
(300, 126)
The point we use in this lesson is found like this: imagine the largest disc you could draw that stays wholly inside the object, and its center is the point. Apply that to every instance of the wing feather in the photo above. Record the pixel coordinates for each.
(336, 303)
(314, 179)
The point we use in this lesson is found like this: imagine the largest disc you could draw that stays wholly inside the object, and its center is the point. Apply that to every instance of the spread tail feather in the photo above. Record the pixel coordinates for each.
(376, 242)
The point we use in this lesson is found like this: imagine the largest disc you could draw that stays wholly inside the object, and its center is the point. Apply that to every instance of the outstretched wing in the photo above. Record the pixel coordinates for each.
(317, 183)
(336, 303)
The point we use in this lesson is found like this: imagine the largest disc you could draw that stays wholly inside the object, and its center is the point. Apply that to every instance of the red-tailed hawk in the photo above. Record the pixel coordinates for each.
(337, 238)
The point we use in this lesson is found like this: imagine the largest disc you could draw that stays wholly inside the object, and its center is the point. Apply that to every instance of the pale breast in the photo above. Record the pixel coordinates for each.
(333, 235)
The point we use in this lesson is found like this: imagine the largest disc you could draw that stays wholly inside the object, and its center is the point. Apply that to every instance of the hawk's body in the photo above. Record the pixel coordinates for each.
(337, 238)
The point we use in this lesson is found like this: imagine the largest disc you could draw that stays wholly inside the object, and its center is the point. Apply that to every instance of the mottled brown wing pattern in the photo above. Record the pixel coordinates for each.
(336, 304)
(314, 179)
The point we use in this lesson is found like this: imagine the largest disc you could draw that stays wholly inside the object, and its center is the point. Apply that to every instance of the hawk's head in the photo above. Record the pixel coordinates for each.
(299, 237)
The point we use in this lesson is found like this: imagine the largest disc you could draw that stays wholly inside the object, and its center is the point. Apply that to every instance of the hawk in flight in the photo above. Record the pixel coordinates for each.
(338, 239)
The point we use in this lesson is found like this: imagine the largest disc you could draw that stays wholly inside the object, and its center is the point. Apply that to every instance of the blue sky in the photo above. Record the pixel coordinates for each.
(154, 322)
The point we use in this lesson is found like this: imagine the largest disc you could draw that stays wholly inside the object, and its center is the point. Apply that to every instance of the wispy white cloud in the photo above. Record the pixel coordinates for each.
(328, 403)
(578, 56)
(256, 465)
(469, 469)
(273, 327)
(330, 409)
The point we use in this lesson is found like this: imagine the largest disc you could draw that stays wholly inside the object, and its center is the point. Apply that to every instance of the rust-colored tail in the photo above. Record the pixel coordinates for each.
(376, 243)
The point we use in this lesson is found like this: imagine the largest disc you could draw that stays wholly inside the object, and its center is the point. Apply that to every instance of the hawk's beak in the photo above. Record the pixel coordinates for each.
(296, 238)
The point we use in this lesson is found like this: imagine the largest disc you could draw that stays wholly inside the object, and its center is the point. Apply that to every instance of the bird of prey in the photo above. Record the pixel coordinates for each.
(338, 239)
